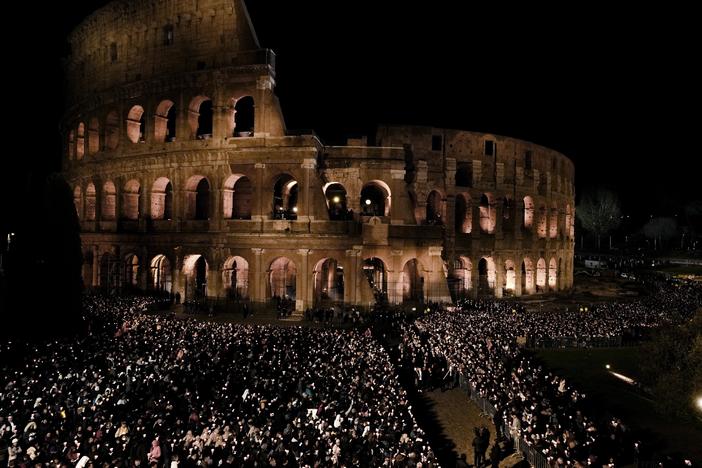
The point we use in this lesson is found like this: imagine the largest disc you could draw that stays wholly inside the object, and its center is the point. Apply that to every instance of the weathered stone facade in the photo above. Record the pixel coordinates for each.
(185, 179)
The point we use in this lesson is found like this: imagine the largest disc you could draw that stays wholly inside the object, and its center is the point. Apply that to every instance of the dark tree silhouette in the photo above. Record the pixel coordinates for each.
(599, 212)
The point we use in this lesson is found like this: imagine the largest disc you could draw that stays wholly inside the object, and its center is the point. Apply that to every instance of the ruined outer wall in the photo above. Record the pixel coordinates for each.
(117, 159)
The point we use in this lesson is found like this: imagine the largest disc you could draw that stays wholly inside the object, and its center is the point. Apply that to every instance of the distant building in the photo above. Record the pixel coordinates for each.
(185, 179)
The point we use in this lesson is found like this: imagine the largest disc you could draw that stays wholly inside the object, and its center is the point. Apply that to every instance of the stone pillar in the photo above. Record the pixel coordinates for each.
(475, 221)
(303, 291)
(214, 281)
(395, 289)
(517, 277)
(222, 120)
(474, 277)
(437, 284)
(401, 211)
(96, 267)
(499, 277)
(351, 276)
(179, 277)
(260, 208)
(304, 203)
(257, 277)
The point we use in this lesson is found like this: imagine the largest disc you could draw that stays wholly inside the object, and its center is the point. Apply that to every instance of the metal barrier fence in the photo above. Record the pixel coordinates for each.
(530, 454)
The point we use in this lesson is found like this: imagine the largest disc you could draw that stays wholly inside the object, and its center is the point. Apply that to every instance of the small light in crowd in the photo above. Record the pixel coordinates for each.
(368, 202)
(413, 309)
(699, 403)
(608, 366)
(294, 209)
(336, 199)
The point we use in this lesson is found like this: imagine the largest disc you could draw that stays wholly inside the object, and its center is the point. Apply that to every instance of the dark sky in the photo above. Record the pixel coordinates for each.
(617, 91)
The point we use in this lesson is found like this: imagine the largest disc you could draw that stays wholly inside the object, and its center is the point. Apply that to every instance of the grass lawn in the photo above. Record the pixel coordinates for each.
(586, 368)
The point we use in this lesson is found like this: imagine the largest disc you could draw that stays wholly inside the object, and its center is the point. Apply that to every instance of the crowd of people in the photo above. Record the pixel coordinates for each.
(481, 342)
(148, 389)
(670, 301)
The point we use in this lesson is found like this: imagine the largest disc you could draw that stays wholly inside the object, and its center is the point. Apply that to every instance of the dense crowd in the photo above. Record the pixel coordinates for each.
(669, 302)
(147, 389)
(480, 342)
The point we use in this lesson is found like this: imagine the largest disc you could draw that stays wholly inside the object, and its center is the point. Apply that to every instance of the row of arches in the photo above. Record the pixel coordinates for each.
(532, 277)
(237, 199)
(547, 221)
(100, 135)
(375, 200)
(328, 277)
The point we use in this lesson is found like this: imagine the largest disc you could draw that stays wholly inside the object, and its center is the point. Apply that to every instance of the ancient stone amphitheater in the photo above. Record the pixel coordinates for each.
(185, 179)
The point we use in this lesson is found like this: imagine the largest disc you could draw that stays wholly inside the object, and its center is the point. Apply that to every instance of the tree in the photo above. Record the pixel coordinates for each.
(673, 368)
(599, 212)
(663, 229)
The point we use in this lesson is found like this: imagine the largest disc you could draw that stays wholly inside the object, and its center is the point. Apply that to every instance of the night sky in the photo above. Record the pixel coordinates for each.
(616, 91)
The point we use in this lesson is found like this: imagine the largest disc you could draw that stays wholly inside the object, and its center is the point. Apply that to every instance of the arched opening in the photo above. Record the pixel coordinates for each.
(109, 272)
(235, 277)
(71, 144)
(238, 197)
(195, 269)
(335, 194)
(486, 276)
(553, 223)
(165, 122)
(197, 198)
(542, 222)
(282, 278)
(487, 214)
(285, 197)
(374, 269)
(136, 124)
(162, 199)
(464, 175)
(462, 270)
(78, 201)
(434, 213)
(527, 276)
(244, 117)
(507, 215)
(161, 275)
(112, 130)
(375, 199)
(94, 136)
(200, 117)
(80, 141)
(552, 274)
(131, 271)
(130, 200)
(328, 282)
(540, 275)
(109, 201)
(90, 200)
(463, 217)
(510, 277)
(412, 282)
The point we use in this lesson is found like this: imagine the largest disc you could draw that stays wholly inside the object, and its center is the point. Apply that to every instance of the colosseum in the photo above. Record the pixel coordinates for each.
(186, 180)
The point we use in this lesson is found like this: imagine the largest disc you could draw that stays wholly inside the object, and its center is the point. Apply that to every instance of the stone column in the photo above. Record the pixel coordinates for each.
(351, 276)
(401, 211)
(257, 277)
(304, 202)
(474, 277)
(260, 208)
(303, 291)
(437, 286)
(96, 266)
(499, 277)
(395, 289)
(517, 277)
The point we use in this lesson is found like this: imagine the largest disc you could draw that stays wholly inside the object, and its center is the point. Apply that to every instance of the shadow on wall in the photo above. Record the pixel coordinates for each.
(42, 266)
